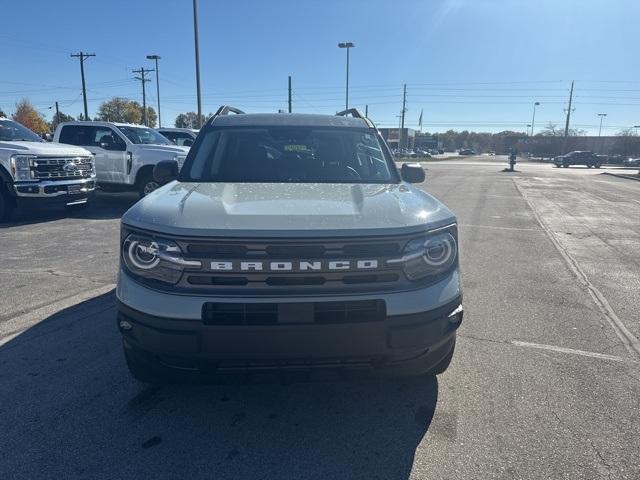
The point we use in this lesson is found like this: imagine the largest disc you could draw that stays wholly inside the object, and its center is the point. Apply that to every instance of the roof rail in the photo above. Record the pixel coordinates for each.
(225, 109)
(355, 113)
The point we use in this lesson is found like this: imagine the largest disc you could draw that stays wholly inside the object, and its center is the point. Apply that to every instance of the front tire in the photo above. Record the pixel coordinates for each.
(6, 205)
(146, 184)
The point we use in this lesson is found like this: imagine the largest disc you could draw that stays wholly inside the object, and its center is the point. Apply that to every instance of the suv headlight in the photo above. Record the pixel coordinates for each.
(429, 256)
(155, 258)
(21, 167)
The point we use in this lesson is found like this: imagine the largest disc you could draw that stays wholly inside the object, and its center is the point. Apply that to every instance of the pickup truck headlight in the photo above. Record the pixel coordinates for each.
(21, 167)
(155, 258)
(429, 256)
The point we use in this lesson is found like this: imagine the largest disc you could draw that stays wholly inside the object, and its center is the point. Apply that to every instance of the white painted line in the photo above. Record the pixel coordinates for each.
(572, 351)
(628, 339)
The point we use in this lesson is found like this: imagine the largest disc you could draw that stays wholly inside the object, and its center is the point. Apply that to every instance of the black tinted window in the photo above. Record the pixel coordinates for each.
(286, 154)
(78, 135)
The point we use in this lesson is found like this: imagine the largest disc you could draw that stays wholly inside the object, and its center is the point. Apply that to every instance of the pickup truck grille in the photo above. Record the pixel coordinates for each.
(358, 254)
(62, 168)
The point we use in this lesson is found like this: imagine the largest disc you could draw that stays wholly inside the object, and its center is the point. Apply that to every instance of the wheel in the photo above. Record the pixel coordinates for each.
(6, 205)
(597, 165)
(146, 184)
(565, 165)
(444, 363)
(143, 367)
(589, 165)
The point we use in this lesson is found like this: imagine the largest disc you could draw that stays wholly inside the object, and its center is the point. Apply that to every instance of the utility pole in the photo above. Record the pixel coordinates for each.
(347, 45)
(601, 115)
(566, 126)
(83, 56)
(57, 114)
(289, 93)
(156, 58)
(197, 45)
(404, 109)
(366, 110)
(142, 73)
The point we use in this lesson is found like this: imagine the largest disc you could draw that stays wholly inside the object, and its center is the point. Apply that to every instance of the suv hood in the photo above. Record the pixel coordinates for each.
(287, 209)
(43, 148)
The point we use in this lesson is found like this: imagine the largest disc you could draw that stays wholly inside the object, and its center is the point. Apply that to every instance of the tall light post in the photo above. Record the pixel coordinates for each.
(197, 45)
(346, 45)
(601, 115)
(156, 58)
(533, 120)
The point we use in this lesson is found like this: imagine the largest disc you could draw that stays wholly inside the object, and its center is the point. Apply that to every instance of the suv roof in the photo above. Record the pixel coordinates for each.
(288, 119)
(101, 123)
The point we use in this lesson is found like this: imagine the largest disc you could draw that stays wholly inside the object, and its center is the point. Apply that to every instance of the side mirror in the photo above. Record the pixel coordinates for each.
(412, 173)
(165, 171)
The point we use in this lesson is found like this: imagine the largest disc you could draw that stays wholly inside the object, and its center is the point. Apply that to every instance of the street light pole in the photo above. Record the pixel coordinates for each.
(601, 115)
(156, 58)
(195, 34)
(533, 120)
(346, 45)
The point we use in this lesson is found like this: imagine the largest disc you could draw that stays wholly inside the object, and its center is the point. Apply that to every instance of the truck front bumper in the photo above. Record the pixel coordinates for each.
(416, 332)
(54, 192)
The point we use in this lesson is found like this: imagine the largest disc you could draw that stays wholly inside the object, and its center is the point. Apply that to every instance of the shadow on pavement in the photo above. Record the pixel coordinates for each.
(69, 409)
(104, 206)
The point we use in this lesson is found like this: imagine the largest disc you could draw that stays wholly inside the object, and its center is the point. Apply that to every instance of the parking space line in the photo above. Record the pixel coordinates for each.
(467, 225)
(572, 351)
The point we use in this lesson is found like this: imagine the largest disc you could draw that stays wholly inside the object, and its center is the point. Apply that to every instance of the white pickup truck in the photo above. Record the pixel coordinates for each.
(34, 173)
(124, 154)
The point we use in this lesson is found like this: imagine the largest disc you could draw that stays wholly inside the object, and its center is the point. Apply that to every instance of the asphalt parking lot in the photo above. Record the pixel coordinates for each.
(545, 382)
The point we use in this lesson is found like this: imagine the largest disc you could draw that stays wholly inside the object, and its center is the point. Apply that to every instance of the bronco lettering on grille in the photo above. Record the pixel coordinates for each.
(297, 266)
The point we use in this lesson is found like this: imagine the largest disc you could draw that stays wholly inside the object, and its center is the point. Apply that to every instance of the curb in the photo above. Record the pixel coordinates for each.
(636, 178)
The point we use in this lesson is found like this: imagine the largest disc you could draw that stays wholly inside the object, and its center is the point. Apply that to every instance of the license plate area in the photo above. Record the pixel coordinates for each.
(292, 313)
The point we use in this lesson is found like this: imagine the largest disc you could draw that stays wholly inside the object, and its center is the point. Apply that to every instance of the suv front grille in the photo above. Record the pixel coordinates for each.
(235, 281)
(62, 168)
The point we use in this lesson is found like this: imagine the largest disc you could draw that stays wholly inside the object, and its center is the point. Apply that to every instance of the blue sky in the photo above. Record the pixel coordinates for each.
(474, 64)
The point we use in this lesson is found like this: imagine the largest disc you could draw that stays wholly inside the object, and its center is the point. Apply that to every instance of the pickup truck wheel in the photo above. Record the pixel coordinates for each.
(6, 206)
(597, 165)
(147, 184)
(143, 367)
(589, 165)
(565, 165)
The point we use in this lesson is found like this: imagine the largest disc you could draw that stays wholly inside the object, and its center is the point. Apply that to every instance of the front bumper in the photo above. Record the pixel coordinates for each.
(53, 192)
(417, 332)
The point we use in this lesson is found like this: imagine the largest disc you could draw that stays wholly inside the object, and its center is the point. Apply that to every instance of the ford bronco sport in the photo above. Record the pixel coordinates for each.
(288, 241)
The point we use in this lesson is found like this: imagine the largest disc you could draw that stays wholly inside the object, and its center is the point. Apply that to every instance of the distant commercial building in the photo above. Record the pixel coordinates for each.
(392, 137)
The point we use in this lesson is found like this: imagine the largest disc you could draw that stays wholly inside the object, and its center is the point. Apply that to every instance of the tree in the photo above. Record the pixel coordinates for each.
(27, 115)
(189, 120)
(120, 109)
(59, 118)
(552, 130)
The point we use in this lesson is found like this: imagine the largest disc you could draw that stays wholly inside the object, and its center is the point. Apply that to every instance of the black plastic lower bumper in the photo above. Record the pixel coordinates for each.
(409, 344)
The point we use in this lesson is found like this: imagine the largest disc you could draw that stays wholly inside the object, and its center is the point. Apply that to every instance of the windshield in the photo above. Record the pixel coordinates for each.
(143, 135)
(13, 131)
(290, 155)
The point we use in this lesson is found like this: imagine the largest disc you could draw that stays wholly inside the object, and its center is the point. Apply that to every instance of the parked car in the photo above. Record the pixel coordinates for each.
(466, 151)
(587, 158)
(35, 173)
(183, 137)
(220, 270)
(632, 162)
(124, 154)
(422, 154)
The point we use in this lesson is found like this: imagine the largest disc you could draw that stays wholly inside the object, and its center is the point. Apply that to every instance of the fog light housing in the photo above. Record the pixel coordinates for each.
(124, 325)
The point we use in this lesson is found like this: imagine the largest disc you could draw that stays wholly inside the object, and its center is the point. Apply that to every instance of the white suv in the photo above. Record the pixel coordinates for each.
(124, 154)
(183, 137)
